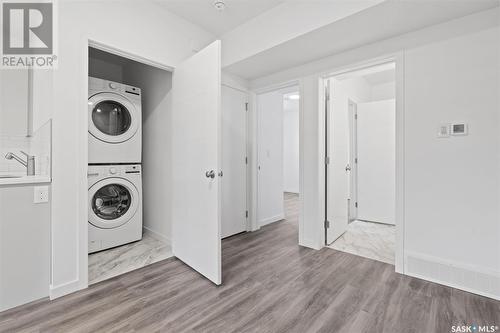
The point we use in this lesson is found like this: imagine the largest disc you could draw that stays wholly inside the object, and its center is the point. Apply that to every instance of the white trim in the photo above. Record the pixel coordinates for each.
(253, 163)
(64, 289)
(278, 86)
(398, 59)
(82, 188)
(399, 249)
(156, 235)
(272, 219)
(116, 51)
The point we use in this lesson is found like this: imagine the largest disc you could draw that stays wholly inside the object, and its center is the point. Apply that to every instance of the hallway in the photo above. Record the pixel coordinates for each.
(270, 284)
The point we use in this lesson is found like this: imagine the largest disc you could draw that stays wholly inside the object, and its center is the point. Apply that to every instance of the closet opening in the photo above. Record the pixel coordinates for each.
(129, 171)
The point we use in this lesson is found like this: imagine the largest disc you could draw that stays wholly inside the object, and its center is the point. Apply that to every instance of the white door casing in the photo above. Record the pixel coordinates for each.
(353, 162)
(234, 137)
(196, 137)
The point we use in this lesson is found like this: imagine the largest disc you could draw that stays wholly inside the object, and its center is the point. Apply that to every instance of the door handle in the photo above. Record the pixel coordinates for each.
(347, 168)
(210, 174)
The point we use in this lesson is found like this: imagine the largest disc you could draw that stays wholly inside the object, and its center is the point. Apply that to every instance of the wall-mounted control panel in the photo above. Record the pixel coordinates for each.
(455, 129)
(459, 129)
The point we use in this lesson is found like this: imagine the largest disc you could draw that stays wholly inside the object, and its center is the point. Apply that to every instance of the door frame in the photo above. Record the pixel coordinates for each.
(81, 281)
(248, 194)
(353, 162)
(398, 59)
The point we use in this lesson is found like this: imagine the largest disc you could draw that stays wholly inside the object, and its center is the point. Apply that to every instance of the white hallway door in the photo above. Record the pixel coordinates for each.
(377, 161)
(337, 170)
(234, 137)
(196, 211)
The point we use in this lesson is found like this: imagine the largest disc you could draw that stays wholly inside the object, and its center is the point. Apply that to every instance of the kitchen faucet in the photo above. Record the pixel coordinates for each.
(29, 164)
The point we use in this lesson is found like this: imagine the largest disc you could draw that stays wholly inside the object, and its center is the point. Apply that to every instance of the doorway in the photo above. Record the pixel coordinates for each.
(278, 156)
(361, 162)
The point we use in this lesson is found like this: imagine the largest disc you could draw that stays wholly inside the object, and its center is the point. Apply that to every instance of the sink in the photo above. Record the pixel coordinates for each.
(9, 176)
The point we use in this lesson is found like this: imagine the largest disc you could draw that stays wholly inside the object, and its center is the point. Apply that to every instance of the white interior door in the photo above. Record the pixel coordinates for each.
(196, 232)
(377, 161)
(337, 177)
(234, 199)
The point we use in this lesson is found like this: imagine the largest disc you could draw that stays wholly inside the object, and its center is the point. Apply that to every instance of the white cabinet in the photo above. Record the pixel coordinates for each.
(24, 247)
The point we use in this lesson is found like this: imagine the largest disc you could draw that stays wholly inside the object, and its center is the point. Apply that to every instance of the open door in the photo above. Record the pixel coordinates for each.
(196, 160)
(337, 168)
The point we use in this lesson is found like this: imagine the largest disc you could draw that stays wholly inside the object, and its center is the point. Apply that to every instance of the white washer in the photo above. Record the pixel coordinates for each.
(115, 122)
(115, 205)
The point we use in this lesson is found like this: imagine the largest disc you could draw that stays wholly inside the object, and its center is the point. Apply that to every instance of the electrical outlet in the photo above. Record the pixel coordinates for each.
(41, 194)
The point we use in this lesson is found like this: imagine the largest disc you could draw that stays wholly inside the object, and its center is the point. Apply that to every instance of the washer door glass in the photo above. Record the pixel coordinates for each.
(111, 202)
(111, 118)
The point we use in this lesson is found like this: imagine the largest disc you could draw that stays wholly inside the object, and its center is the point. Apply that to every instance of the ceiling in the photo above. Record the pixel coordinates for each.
(380, 22)
(204, 14)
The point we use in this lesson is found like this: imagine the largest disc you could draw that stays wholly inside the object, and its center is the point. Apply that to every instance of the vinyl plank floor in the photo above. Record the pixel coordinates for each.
(270, 284)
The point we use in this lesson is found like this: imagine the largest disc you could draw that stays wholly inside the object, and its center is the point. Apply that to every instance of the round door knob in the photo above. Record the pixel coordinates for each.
(210, 174)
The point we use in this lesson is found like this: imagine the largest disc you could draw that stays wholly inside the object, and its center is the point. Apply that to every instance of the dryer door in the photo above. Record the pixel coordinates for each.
(112, 117)
(112, 202)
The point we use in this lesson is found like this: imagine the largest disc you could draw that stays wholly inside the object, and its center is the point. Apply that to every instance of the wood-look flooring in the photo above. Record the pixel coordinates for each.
(270, 284)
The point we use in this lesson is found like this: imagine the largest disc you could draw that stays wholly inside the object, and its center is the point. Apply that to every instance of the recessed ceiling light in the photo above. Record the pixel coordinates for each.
(219, 5)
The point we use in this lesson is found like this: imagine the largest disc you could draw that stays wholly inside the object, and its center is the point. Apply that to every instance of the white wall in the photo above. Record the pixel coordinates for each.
(450, 74)
(452, 185)
(383, 91)
(376, 168)
(156, 85)
(291, 145)
(156, 35)
(14, 102)
(270, 206)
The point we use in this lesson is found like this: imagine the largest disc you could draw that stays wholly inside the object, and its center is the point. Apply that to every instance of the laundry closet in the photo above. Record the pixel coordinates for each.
(153, 173)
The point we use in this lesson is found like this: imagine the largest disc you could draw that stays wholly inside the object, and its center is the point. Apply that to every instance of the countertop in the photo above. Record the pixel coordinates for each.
(23, 179)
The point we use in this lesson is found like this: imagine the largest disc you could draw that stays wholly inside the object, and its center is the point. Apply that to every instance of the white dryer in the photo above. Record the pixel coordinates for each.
(115, 122)
(115, 205)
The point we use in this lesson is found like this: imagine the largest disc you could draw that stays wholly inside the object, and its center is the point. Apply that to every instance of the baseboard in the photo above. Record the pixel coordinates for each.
(157, 235)
(469, 278)
(272, 219)
(64, 289)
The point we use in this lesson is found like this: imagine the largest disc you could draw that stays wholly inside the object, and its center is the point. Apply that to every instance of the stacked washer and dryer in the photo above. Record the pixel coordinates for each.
(114, 171)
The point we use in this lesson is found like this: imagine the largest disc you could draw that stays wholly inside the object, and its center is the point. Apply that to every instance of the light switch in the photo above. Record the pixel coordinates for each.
(41, 194)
